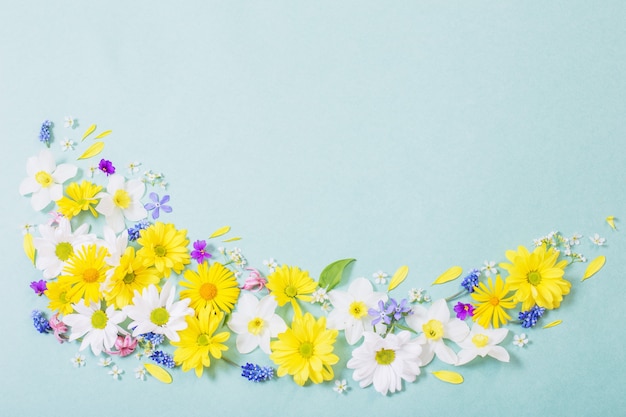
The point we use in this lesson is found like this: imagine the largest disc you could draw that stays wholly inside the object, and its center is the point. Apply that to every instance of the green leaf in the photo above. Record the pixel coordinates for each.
(331, 275)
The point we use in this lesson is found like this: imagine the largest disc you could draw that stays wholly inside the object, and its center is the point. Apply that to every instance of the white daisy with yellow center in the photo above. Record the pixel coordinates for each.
(255, 323)
(122, 200)
(97, 327)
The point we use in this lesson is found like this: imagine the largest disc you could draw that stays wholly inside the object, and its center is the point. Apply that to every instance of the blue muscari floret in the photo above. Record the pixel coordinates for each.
(44, 133)
(471, 280)
(154, 338)
(162, 358)
(133, 232)
(529, 318)
(40, 322)
(257, 373)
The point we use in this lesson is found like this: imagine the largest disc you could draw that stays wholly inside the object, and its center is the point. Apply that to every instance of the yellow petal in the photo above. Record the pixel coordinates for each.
(611, 221)
(103, 134)
(594, 266)
(450, 275)
(398, 277)
(93, 150)
(29, 247)
(89, 131)
(219, 232)
(449, 376)
(232, 239)
(158, 372)
(552, 324)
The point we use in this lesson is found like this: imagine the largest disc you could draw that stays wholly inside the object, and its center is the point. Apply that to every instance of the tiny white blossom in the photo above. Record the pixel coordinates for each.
(597, 240)
(68, 144)
(133, 167)
(116, 372)
(319, 296)
(427, 298)
(27, 228)
(69, 122)
(78, 360)
(489, 268)
(380, 277)
(340, 386)
(221, 250)
(575, 240)
(237, 257)
(105, 361)
(520, 340)
(270, 264)
(138, 355)
(93, 169)
(326, 307)
(140, 373)
(416, 295)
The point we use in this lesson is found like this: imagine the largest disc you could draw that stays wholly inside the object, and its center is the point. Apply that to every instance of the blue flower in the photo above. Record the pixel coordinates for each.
(382, 314)
(154, 338)
(44, 133)
(257, 373)
(529, 318)
(471, 280)
(40, 322)
(399, 310)
(133, 232)
(162, 358)
(158, 205)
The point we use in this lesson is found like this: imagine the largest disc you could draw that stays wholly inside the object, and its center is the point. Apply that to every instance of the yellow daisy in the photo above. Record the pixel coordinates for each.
(214, 287)
(305, 350)
(164, 247)
(79, 198)
(57, 294)
(537, 277)
(128, 276)
(198, 341)
(493, 301)
(85, 272)
(289, 284)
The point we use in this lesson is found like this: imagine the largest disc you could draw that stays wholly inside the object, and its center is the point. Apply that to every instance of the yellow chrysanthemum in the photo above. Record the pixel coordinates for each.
(537, 277)
(85, 272)
(305, 350)
(128, 276)
(57, 294)
(289, 284)
(198, 341)
(79, 198)
(164, 247)
(493, 302)
(214, 287)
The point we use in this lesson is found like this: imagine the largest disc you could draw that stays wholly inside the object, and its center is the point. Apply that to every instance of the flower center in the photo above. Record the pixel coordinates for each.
(534, 277)
(62, 297)
(256, 325)
(306, 350)
(433, 329)
(291, 291)
(121, 199)
(129, 278)
(90, 275)
(480, 340)
(203, 340)
(99, 319)
(494, 301)
(358, 309)
(159, 250)
(385, 356)
(63, 251)
(159, 316)
(208, 291)
(44, 179)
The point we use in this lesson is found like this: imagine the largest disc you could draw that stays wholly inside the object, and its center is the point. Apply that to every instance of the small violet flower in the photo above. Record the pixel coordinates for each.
(399, 310)
(254, 282)
(158, 205)
(257, 373)
(463, 311)
(106, 167)
(38, 286)
(199, 252)
(45, 134)
(382, 314)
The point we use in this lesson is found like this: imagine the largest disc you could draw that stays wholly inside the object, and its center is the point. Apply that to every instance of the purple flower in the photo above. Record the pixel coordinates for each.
(106, 167)
(157, 205)
(382, 314)
(199, 252)
(463, 311)
(399, 310)
(39, 286)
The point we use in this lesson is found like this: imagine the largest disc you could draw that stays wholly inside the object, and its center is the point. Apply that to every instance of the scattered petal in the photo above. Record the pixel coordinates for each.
(611, 221)
(232, 239)
(158, 372)
(29, 247)
(89, 131)
(219, 232)
(450, 275)
(449, 376)
(93, 150)
(103, 134)
(594, 266)
(552, 324)
(399, 276)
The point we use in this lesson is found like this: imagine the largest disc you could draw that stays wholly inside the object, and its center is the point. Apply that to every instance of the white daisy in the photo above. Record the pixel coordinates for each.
(483, 342)
(98, 328)
(116, 245)
(44, 179)
(350, 309)
(156, 312)
(122, 201)
(57, 244)
(385, 362)
(255, 322)
(436, 325)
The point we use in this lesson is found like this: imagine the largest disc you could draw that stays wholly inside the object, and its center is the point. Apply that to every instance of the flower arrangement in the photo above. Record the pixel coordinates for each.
(122, 281)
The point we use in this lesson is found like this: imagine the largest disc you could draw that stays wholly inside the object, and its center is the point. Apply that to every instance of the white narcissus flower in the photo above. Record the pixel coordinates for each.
(57, 244)
(350, 309)
(436, 325)
(122, 200)
(44, 179)
(158, 313)
(255, 323)
(483, 342)
(97, 328)
(387, 361)
(116, 245)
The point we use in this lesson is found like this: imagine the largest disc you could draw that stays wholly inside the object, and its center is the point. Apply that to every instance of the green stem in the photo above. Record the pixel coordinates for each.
(452, 297)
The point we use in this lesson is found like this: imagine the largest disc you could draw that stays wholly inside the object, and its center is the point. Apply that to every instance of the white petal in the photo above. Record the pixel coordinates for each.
(246, 343)
(499, 353)
(64, 172)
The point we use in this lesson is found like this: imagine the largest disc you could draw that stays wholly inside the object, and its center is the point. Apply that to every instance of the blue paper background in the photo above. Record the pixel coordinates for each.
(424, 133)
